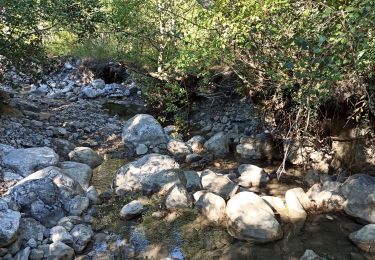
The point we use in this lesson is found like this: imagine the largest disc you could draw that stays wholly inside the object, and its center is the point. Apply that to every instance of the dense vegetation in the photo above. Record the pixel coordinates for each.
(298, 58)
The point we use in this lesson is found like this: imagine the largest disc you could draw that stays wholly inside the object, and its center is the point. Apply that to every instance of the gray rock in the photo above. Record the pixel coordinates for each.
(218, 184)
(60, 234)
(141, 149)
(311, 178)
(15, 247)
(32, 243)
(256, 148)
(27, 160)
(82, 235)
(177, 198)
(91, 92)
(77, 205)
(10, 221)
(192, 158)
(149, 174)
(92, 195)
(60, 251)
(332, 186)
(98, 83)
(63, 147)
(178, 148)
(196, 143)
(79, 172)
(23, 254)
(193, 181)
(85, 155)
(310, 255)
(69, 222)
(218, 145)
(211, 206)
(131, 210)
(36, 254)
(44, 194)
(11, 176)
(251, 219)
(252, 176)
(365, 238)
(359, 192)
(142, 129)
(297, 214)
(31, 228)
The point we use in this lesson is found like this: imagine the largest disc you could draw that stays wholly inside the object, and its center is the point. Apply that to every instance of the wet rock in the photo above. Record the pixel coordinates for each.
(211, 206)
(177, 198)
(79, 172)
(218, 145)
(252, 176)
(60, 251)
(178, 148)
(141, 149)
(218, 184)
(359, 192)
(77, 205)
(143, 129)
(278, 205)
(131, 210)
(43, 194)
(60, 234)
(296, 212)
(310, 255)
(251, 219)
(196, 143)
(27, 160)
(85, 155)
(193, 181)
(82, 235)
(365, 238)
(10, 221)
(149, 174)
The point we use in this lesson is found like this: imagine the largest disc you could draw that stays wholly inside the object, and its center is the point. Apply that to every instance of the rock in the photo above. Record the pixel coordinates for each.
(178, 148)
(310, 255)
(218, 145)
(131, 210)
(36, 254)
(27, 160)
(365, 238)
(256, 148)
(85, 155)
(82, 235)
(32, 243)
(98, 83)
(77, 205)
(177, 198)
(91, 92)
(60, 251)
(359, 192)
(278, 205)
(302, 198)
(63, 147)
(311, 178)
(251, 219)
(10, 221)
(92, 195)
(141, 149)
(252, 176)
(69, 222)
(79, 172)
(23, 254)
(43, 194)
(149, 174)
(142, 129)
(331, 186)
(218, 184)
(15, 247)
(32, 229)
(212, 207)
(328, 201)
(192, 158)
(298, 152)
(296, 212)
(198, 194)
(193, 181)
(60, 234)
(196, 143)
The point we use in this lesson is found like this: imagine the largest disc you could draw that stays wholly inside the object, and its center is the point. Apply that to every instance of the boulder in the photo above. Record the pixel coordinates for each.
(10, 221)
(211, 206)
(60, 251)
(177, 198)
(149, 174)
(60, 234)
(82, 235)
(44, 194)
(218, 184)
(85, 155)
(218, 145)
(193, 181)
(252, 176)
(365, 238)
(27, 160)
(143, 129)
(277, 205)
(359, 192)
(79, 172)
(131, 210)
(296, 212)
(251, 219)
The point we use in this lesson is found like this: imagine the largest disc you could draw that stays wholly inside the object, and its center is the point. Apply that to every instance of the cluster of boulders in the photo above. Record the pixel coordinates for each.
(48, 211)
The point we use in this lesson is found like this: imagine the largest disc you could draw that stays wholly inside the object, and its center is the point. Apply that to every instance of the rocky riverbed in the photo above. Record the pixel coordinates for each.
(87, 174)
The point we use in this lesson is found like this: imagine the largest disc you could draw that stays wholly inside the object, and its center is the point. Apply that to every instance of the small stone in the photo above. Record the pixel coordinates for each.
(310, 255)
(78, 205)
(82, 235)
(32, 243)
(131, 210)
(60, 251)
(36, 254)
(59, 233)
(141, 149)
